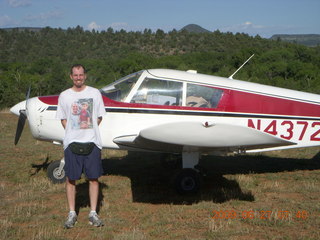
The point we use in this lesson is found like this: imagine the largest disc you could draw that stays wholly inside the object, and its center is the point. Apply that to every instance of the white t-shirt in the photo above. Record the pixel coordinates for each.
(81, 110)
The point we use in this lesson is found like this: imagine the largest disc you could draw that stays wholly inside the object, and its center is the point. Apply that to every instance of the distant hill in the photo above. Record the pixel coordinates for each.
(310, 40)
(194, 28)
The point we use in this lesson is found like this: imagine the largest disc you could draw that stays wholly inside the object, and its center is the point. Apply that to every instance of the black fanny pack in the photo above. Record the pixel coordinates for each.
(81, 148)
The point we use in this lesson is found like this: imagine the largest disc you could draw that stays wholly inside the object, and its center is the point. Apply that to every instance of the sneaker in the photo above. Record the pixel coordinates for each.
(71, 221)
(94, 220)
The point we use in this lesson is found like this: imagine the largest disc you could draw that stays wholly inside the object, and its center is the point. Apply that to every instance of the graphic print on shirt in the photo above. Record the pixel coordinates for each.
(81, 114)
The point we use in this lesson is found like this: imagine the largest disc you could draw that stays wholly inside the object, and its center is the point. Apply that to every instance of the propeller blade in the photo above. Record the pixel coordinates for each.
(20, 126)
(22, 118)
(28, 96)
(28, 93)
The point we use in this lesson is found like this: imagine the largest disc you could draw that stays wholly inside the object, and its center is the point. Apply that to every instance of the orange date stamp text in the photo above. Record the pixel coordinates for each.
(260, 214)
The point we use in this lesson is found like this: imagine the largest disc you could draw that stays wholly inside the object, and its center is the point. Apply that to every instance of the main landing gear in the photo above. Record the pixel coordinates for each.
(188, 179)
(56, 171)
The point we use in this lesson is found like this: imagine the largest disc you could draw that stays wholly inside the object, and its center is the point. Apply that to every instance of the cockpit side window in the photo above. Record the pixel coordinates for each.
(159, 92)
(203, 96)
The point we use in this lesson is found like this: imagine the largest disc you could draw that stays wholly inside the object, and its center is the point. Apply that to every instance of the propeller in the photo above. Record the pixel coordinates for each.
(20, 126)
(22, 119)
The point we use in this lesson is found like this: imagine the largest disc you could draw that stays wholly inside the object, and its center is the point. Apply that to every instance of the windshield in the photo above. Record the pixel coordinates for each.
(120, 89)
(159, 92)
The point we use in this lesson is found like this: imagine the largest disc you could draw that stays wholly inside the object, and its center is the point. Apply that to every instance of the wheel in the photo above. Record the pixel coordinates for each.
(187, 181)
(53, 172)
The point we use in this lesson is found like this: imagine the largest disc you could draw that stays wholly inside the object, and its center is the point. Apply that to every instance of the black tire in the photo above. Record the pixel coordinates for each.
(187, 181)
(52, 173)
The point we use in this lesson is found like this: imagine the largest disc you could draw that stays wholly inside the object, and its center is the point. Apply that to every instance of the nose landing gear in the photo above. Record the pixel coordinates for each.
(55, 171)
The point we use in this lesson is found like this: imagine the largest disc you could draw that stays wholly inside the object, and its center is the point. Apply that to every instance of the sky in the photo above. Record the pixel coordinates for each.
(254, 17)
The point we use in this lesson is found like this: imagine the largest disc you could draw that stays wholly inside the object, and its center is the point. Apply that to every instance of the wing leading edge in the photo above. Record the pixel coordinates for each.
(197, 136)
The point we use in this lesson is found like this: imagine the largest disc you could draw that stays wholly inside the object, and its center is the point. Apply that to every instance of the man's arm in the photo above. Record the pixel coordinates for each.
(64, 123)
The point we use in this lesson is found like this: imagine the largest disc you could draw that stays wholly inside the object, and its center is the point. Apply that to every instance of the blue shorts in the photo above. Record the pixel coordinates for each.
(90, 164)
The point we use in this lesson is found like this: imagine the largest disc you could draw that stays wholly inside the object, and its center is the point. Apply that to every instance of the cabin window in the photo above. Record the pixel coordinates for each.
(119, 90)
(159, 92)
(203, 96)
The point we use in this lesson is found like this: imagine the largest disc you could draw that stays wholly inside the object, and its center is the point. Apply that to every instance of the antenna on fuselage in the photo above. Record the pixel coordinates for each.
(231, 77)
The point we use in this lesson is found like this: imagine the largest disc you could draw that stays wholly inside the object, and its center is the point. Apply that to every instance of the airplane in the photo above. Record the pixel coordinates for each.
(188, 113)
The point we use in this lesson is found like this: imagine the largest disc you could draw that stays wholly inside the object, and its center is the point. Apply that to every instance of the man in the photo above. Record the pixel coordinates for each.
(82, 142)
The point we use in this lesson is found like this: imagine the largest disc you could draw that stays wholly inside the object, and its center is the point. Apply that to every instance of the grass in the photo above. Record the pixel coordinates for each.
(262, 196)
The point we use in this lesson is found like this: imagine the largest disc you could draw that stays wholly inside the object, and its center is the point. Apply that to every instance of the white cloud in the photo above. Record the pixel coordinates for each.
(264, 31)
(93, 25)
(243, 26)
(247, 27)
(250, 25)
(19, 3)
(117, 26)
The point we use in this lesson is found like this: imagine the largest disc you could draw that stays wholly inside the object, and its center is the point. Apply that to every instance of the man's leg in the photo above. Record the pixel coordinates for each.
(71, 198)
(73, 169)
(93, 193)
(93, 169)
(71, 193)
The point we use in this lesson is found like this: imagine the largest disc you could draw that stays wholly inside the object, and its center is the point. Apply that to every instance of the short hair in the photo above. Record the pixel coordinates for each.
(77, 66)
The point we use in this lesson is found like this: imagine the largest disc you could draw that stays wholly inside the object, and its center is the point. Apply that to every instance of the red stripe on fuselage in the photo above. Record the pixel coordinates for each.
(232, 101)
(237, 101)
(50, 100)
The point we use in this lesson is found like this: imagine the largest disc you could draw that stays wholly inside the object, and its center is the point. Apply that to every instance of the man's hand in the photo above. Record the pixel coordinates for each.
(99, 120)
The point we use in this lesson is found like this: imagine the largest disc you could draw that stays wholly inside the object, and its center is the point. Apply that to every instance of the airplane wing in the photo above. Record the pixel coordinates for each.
(197, 136)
